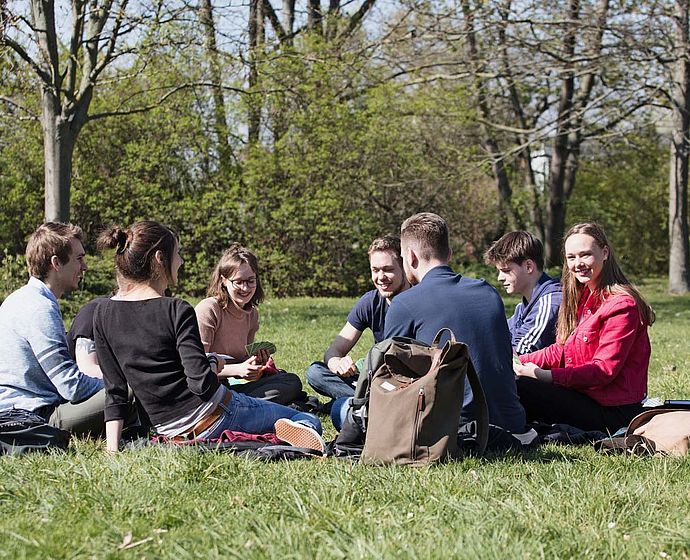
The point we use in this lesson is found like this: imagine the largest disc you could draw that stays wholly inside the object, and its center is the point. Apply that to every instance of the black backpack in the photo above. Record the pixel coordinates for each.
(22, 431)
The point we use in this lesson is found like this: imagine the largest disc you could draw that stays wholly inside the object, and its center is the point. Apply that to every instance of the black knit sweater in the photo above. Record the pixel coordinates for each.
(154, 346)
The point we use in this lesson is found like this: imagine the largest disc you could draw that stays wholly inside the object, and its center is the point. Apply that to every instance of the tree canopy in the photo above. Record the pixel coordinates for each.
(303, 131)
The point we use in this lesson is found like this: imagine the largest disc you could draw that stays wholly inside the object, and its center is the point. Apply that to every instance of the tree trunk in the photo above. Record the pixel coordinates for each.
(254, 116)
(571, 109)
(289, 19)
(4, 17)
(488, 141)
(314, 16)
(679, 253)
(332, 19)
(226, 157)
(555, 214)
(58, 146)
(524, 156)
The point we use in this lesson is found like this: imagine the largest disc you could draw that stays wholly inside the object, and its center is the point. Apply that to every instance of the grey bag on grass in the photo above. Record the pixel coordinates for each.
(22, 431)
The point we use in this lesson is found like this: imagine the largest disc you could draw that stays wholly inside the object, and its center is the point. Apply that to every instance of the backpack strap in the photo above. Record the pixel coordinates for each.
(481, 408)
(439, 334)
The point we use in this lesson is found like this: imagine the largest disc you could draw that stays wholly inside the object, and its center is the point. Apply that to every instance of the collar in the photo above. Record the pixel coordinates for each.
(539, 286)
(589, 302)
(41, 287)
(439, 271)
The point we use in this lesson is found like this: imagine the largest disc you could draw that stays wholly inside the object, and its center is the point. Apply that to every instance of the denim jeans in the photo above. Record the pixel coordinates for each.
(255, 416)
(339, 411)
(330, 384)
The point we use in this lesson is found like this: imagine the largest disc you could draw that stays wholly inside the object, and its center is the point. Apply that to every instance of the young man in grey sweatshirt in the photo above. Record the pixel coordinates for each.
(37, 372)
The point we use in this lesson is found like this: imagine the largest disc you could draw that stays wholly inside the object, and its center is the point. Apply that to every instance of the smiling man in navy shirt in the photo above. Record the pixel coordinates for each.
(471, 308)
(337, 375)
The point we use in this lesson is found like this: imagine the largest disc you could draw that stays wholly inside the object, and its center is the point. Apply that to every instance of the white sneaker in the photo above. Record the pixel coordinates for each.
(299, 435)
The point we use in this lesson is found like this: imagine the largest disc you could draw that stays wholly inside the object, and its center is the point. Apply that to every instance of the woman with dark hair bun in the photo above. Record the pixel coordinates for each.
(595, 376)
(151, 343)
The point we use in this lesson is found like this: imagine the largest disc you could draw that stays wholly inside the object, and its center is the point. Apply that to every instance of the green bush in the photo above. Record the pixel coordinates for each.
(624, 188)
(13, 274)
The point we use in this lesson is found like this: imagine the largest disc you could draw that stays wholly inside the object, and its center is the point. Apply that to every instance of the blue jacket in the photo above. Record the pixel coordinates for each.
(533, 325)
(474, 311)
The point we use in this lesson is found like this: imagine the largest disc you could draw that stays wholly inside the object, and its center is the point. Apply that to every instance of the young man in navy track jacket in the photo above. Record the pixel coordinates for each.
(519, 258)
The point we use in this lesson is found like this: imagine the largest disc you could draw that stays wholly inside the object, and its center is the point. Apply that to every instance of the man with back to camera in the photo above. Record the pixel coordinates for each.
(471, 308)
(337, 375)
(519, 258)
(37, 372)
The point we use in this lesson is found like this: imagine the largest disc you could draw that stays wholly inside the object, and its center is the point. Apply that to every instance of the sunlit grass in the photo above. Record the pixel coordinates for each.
(556, 502)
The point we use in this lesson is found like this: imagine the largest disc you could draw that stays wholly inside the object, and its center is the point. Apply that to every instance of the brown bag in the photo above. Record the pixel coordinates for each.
(415, 401)
(660, 431)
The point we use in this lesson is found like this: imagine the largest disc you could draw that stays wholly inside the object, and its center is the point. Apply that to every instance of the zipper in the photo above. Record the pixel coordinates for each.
(418, 414)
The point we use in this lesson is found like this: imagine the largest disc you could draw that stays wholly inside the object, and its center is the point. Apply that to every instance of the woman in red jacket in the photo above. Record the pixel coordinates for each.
(595, 376)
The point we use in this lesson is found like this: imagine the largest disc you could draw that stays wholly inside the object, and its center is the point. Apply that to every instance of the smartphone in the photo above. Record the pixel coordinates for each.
(677, 403)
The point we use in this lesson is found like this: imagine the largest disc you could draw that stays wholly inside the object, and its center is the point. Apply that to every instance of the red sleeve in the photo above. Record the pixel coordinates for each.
(617, 336)
(546, 358)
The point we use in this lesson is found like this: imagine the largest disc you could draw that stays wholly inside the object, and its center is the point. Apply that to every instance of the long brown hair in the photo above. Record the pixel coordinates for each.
(612, 281)
(233, 257)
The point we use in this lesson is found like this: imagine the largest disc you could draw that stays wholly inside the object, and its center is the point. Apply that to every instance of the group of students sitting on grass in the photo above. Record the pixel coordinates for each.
(578, 356)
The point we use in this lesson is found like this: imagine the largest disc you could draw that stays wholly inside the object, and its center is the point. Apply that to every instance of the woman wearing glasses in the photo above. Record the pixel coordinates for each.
(228, 322)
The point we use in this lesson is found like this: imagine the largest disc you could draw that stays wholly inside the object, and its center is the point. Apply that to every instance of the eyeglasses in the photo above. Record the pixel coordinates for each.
(239, 284)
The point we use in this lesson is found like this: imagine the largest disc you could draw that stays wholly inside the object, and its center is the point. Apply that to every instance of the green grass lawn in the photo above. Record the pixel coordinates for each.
(557, 502)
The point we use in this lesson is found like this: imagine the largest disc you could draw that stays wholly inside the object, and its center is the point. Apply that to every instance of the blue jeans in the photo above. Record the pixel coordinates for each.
(255, 416)
(330, 384)
(339, 411)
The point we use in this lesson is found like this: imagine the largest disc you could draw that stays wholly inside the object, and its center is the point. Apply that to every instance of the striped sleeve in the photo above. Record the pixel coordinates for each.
(539, 324)
(49, 344)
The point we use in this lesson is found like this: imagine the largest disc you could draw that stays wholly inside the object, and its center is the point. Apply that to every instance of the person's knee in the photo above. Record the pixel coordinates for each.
(339, 411)
(315, 374)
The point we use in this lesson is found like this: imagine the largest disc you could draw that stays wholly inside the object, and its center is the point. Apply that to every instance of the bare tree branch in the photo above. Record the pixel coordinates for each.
(19, 50)
(275, 22)
(356, 18)
(15, 103)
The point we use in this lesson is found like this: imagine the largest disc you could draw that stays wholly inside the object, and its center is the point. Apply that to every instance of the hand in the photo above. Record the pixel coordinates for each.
(262, 356)
(525, 370)
(532, 370)
(250, 369)
(113, 431)
(344, 367)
